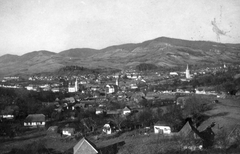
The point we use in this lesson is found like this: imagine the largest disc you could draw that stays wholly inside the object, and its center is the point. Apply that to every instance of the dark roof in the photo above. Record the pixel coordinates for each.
(69, 129)
(161, 123)
(186, 130)
(35, 118)
(85, 146)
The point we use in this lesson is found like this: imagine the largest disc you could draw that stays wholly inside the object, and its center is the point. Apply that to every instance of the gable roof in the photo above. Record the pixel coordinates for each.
(186, 130)
(35, 118)
(161, 123)
(126, 109)
(85, 146)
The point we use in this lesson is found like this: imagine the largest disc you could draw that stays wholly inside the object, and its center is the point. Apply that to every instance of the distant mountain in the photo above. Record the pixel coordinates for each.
(8, 58)
(162, 51)
(35, 54)
(78, 53)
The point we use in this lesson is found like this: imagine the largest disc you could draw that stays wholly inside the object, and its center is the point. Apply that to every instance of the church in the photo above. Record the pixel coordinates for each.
(73, 87)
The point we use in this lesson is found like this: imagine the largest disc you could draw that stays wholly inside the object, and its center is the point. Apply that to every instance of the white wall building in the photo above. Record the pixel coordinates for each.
(162, 129)
(73, 88)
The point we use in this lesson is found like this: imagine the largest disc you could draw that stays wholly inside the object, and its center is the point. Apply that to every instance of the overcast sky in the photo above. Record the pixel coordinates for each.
(57, 25)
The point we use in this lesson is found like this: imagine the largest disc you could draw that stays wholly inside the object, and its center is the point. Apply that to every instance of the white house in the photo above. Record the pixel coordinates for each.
(107, 129)
(8, 112)
(68, 131)
(29, 87)
(200, 91)
(173, 73)
(126, 111)
(35, 120)
(161, 128)
(110, 89)
(8, 116)
(133, 86)
(55, 89)
(99, 111)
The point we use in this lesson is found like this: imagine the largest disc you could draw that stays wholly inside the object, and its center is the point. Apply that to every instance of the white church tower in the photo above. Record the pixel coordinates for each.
(117, 80)
(76, 85)
(73, 87)
(188, 76)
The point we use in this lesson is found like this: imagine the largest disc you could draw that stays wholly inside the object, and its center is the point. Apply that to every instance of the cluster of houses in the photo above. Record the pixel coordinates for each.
(105, 82)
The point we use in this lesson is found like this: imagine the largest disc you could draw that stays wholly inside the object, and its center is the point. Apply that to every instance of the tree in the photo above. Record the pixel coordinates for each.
(174, 117)
(145, 117)
(229, 87)
(196, 105)
(118, 119)
(146, 67)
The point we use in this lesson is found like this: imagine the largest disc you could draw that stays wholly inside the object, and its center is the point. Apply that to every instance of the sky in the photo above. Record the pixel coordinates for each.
(57, 25)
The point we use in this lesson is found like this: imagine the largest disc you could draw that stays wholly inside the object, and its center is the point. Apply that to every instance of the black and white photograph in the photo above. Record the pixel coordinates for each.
(119, 77)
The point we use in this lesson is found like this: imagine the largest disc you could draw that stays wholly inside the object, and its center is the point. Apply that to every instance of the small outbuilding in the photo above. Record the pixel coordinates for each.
(68, 131)
(107, 129)
(162, 128)
(99, 111)
(126, 111)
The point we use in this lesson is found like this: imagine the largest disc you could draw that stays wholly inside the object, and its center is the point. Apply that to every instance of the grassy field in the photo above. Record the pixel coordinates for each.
(226, 114)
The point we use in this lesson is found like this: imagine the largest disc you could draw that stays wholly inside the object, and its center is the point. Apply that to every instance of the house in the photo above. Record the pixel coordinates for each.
(84, 146)
(111, 88)
(187, 131)
(109, 128)
(35, 120)
(162, 128)
(133, 86)
(173, 73)
(70, 100)
(99, 111)
(197, 91)
(30, 87)
(9, 112)
(126, 111)
(55, 89)
(68, 131)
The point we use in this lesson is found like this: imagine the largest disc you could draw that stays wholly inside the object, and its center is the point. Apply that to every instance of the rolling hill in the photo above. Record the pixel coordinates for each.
(162, 51)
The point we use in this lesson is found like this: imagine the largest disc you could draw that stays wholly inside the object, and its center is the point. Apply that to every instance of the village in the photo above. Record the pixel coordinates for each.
(89, 110)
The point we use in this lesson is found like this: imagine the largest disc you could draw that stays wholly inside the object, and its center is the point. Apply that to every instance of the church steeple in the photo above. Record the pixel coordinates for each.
(76, 85)
(188, 76)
